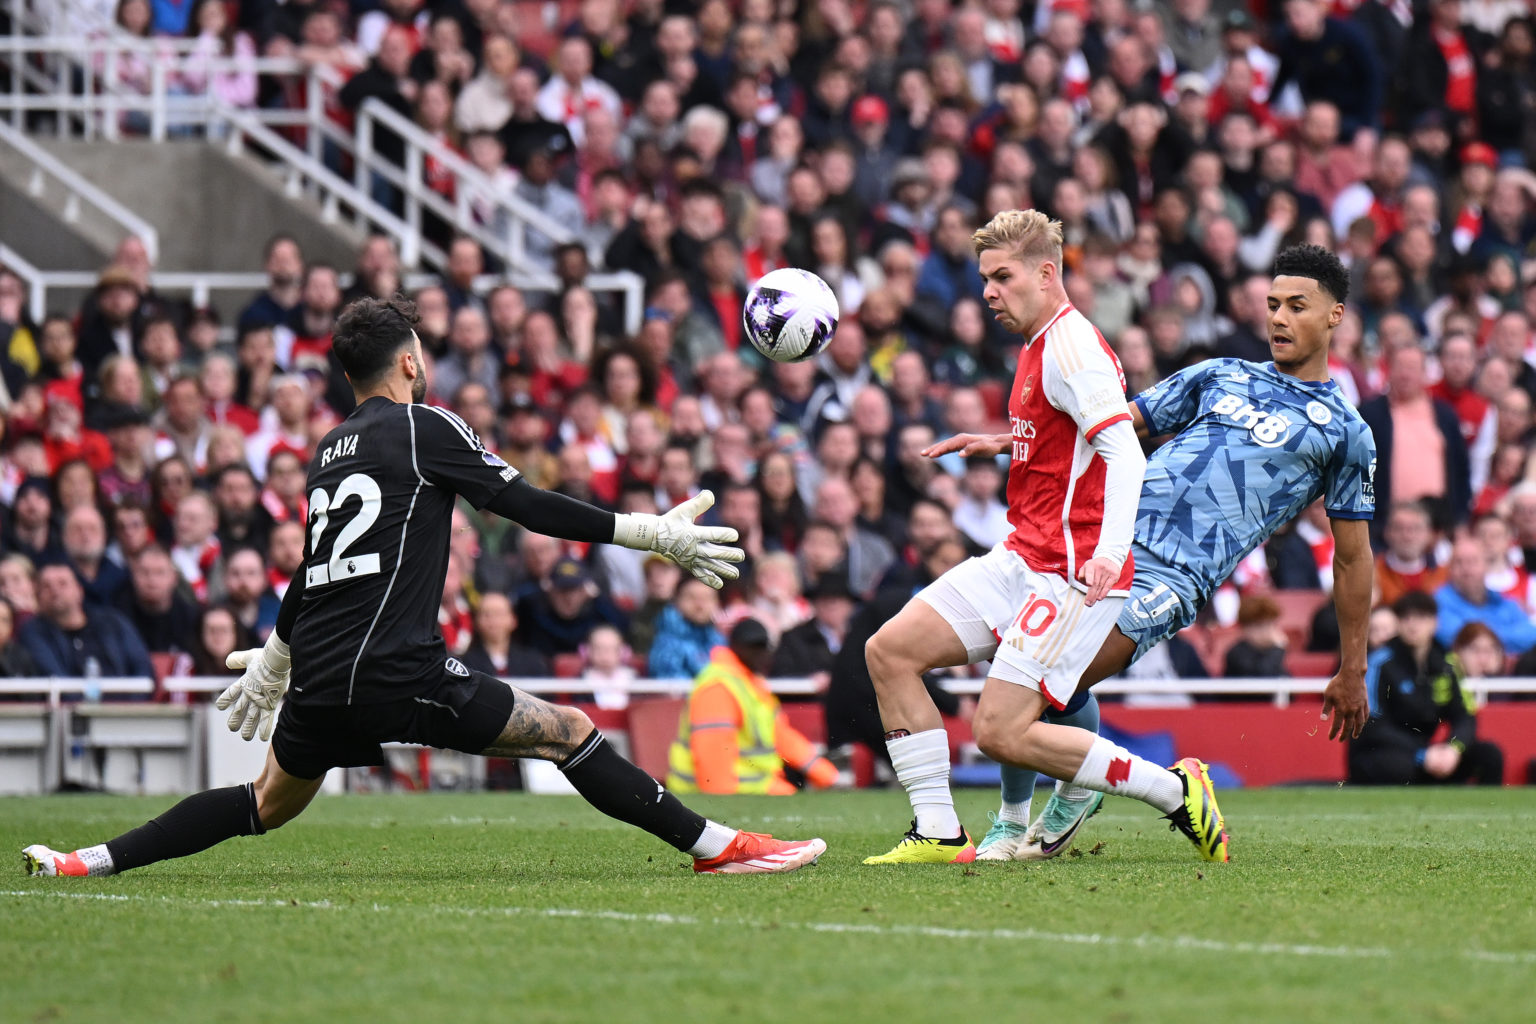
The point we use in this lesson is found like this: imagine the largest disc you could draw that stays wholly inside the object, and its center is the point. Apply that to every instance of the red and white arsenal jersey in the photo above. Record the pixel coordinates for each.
(1069, 386)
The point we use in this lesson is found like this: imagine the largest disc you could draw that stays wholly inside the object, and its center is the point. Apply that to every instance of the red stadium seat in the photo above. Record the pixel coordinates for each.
(1311, 664)
(652, 728)
(566, 666)
(809, 717)
(862, 761)
(167, 664)
(1297, 607)
(994, 395)
(1211, 643)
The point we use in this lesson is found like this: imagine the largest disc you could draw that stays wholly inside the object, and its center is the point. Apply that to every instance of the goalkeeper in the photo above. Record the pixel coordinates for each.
(367, 662)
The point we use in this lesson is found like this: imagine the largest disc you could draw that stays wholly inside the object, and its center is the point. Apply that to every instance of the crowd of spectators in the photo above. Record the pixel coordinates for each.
(158, 455)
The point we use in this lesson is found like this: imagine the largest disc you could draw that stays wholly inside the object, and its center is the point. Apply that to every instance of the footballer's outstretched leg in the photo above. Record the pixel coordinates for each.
(534, 728)
(1009, 731)
(620, 790)
(202, 820)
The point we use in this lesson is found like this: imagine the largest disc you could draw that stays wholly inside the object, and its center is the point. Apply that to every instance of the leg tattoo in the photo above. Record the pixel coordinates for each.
(541, 730)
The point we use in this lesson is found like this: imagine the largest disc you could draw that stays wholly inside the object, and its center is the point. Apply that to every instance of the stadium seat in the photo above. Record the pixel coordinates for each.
(566, 666)
(535, 34)
(1311, 664)
(167, 664)
(994, 395)
(1211, 643)
(862, 760)
(1297, 608)
(809, 717)
(652, 728)
(959, 730)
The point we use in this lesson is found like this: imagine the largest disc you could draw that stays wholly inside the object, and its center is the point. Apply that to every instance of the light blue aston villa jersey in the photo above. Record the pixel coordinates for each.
(1252, 449)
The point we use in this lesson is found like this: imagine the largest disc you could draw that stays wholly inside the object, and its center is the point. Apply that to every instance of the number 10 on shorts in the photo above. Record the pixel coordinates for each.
(1036, 617)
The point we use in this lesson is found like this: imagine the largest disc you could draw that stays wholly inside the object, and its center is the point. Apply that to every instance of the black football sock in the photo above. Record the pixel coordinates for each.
(198, 822)
(621, 790)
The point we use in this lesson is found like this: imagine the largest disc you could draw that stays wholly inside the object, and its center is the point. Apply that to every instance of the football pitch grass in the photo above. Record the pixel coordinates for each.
(1340, 905)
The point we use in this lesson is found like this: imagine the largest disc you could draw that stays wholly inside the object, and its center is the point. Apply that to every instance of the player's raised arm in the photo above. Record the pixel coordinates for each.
(704, 551)
(1353, 570)
(452, 456)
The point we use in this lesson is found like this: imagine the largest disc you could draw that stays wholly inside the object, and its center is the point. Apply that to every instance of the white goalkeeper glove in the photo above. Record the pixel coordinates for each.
(702, 550)
(255, 694)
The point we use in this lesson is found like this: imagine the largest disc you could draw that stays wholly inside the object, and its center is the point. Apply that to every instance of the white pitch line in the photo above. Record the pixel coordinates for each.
(1144, 941)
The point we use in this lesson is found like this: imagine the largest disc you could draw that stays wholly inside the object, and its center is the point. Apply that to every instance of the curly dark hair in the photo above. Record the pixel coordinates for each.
(1317, 263)
(649, 379)
(370, 332)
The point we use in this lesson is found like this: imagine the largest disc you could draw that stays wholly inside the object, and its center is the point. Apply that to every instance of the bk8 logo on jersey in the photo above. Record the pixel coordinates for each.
(1267, 429)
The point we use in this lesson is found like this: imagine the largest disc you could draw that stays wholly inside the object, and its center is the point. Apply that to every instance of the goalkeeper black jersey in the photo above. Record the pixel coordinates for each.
(381, 492)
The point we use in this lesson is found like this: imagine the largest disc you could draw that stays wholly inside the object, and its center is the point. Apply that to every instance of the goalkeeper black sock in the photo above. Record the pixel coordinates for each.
(621, 790)
(198, 822)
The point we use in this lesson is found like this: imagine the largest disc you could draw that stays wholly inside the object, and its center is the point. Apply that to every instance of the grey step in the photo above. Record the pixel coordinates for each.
(214, 212)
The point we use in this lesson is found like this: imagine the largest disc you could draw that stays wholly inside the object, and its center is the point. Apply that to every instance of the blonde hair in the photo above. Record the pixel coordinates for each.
(1029, 235)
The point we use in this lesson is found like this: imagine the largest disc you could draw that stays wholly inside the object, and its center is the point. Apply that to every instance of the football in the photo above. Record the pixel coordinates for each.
(790, 315)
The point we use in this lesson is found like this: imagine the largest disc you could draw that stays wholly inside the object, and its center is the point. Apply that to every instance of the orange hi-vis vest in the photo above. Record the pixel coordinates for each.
(758, 764)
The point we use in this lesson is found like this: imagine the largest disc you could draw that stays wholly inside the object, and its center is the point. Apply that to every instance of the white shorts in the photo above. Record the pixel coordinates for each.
(1033, 626)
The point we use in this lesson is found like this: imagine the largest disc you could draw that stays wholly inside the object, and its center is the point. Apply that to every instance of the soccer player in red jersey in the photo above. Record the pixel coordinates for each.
(1040, 603)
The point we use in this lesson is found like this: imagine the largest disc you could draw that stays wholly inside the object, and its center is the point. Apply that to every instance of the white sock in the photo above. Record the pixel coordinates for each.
(97, 860)
(713, 842)
(921, 761)
(1068, 791)
(1016, 813)
(1110, 768)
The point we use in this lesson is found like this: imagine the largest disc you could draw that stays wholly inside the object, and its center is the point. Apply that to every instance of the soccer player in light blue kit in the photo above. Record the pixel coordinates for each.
(1253, 445)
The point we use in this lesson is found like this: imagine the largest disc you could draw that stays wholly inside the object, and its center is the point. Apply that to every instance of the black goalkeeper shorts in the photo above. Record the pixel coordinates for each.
(464, 713)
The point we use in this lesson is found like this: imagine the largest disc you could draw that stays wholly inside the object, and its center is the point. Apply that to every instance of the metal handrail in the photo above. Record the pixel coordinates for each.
(301, 165)
(37, 286)
(105, 100)
(200, 285)
(78, 189)
(466, 177)
(54, 687)
(1279, 687)
(76, 13)
(98, 60)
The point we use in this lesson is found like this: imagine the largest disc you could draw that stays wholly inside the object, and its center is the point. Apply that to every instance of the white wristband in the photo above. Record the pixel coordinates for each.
(275, 653)
(634, 531)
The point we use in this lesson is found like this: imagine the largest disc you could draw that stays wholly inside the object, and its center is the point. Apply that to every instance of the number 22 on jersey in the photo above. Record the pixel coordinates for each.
(341, 566)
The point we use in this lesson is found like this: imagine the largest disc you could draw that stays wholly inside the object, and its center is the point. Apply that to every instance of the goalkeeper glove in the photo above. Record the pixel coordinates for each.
(255, 694)
(702, 550)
